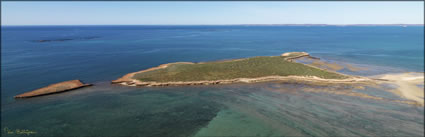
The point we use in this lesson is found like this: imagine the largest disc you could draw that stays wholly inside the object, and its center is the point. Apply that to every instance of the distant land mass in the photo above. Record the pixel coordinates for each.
(334, 24)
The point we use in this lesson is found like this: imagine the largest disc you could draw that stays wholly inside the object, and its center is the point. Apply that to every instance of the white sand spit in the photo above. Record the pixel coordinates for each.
(407, 85)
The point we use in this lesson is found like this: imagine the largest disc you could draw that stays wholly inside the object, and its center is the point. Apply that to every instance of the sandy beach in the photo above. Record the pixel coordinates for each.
(408, 85)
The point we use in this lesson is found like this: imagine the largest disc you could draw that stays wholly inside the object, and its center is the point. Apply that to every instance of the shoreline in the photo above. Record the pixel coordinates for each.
(305, 79)
(404, 90)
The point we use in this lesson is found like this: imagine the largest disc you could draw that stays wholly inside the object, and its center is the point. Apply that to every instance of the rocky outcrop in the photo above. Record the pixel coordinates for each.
(54, 88)
(289, 56)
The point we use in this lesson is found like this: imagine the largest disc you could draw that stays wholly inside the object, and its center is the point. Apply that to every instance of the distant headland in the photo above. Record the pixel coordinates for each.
(333, 24)
(322, 25)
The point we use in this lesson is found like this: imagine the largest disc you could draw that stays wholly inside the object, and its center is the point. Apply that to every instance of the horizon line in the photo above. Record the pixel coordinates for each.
(398, 24)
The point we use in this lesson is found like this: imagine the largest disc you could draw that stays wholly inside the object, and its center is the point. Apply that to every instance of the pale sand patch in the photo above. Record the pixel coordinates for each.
(407, 85)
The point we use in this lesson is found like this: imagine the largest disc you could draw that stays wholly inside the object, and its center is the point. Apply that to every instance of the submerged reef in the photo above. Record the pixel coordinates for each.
(65, 39)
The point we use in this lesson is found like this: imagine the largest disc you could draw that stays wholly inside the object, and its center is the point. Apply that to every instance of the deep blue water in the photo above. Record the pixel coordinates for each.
(96, 54)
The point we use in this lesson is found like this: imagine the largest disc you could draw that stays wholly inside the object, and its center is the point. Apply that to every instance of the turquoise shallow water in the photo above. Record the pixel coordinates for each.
(261, 109)
(98, 54)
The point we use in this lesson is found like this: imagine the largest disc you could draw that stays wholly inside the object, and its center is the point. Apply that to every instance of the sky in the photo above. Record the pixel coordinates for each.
(210, 13)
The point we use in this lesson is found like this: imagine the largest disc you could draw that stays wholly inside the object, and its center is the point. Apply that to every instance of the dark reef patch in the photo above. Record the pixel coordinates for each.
(66, 39)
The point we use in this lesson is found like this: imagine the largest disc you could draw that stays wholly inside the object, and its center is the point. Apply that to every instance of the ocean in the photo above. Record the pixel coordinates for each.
(36, 56)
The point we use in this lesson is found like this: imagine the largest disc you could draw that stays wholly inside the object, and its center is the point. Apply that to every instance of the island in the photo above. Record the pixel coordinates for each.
(54, 88)
(246, 70)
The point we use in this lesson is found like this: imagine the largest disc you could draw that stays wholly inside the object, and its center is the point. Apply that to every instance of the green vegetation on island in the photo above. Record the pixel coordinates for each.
(254, 67)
